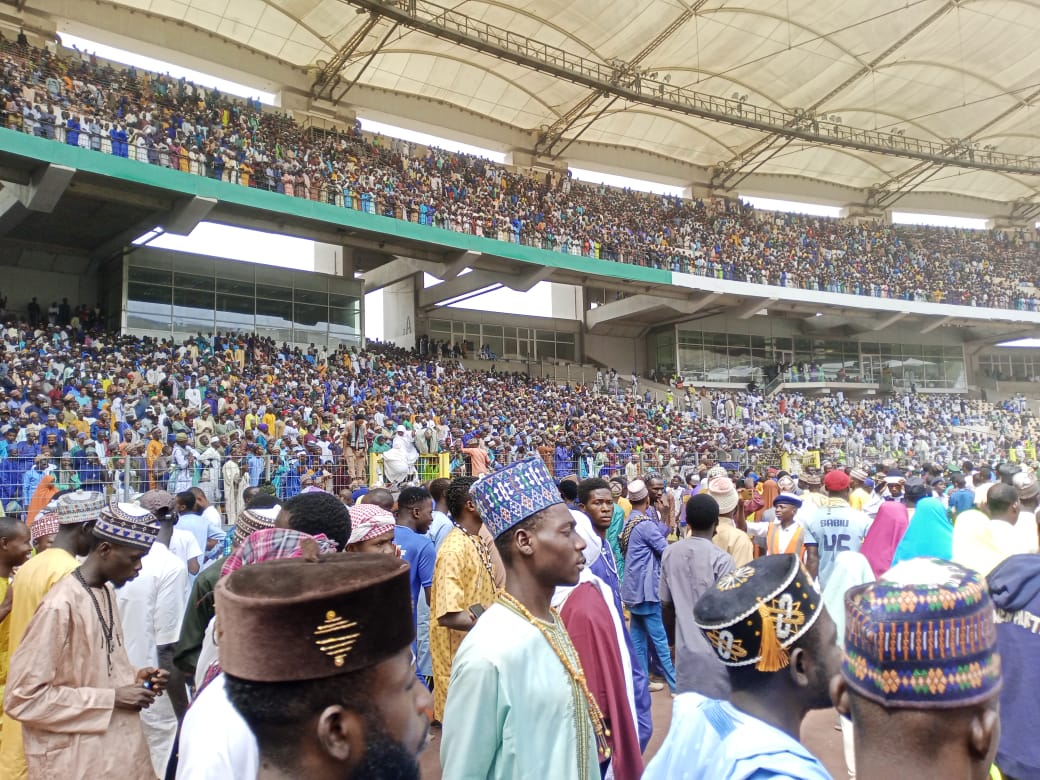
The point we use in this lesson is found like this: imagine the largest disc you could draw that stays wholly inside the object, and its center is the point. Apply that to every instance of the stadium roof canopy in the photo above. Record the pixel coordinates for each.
(962, 76)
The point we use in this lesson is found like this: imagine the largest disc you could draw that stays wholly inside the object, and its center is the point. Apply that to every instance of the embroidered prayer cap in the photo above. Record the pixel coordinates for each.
(637, 490)
(724, 492)
(787, 498)
(251, 520)
(335, 615)
(127, 524)
(81, 506)
(367, 521)
(1026, 485)
(717, 471)
(753, 614)
(859, 474)
(510, 496)
(922, 637)
(46, 523)
(810, 480)
(895, 477)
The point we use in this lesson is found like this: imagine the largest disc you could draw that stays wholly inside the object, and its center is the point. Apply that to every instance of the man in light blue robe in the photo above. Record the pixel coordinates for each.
(515, 707)
(767, 623)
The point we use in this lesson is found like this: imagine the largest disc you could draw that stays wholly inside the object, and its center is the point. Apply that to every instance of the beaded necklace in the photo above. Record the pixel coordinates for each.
(107, 629)
(577, 675)
(482, 551)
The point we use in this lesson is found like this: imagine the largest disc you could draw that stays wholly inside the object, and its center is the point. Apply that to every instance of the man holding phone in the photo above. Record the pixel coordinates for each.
(71, 683)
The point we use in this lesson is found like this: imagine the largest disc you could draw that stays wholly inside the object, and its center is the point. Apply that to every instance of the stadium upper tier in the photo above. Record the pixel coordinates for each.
(162, 121)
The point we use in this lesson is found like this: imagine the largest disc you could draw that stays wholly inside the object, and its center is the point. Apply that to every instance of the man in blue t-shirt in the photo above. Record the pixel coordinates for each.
(961, 498)
(834, 528)
(414, 516)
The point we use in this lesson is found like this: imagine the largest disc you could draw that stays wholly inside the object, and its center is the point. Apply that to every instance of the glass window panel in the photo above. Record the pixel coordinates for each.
(274, 292)
(149, 293)
(150, 275)
(348, 317)
(312, 297)
(236, 287)
(193, 282)
(565, 351)
(492, 330)
(274, 313)
(564, 338)
(307, 315)
(545, 335)
(142, 315)
(350, 302)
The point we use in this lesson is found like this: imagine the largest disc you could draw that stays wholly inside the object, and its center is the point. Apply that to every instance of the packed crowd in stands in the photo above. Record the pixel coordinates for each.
(225, 412)
(72, 98)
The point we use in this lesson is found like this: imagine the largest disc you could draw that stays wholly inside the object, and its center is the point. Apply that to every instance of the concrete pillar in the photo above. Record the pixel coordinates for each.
(399, 312)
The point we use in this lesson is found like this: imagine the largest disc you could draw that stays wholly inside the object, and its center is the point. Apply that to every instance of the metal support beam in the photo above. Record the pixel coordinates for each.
(635, 305)
(12, 210)
(186, 215)
(328, 77)
(456, 263)
(524, 282)
(935, 324)
(889, 321)
(46, 186)
(458, 287)
(640, 87)
(397, 269)
(756, 307)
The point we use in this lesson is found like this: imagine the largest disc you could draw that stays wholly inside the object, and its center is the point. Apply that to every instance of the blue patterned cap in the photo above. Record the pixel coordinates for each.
(81, 506)
(512, 495)
(922, 637)
(127, 524)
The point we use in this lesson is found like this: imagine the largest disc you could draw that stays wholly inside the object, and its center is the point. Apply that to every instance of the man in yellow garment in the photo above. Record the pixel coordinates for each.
(77, 513)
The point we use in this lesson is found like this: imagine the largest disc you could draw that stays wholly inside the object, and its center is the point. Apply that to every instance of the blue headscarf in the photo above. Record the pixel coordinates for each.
(930, 533)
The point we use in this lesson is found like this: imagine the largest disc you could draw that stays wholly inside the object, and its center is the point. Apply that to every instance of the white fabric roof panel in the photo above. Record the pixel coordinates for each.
(972, 62)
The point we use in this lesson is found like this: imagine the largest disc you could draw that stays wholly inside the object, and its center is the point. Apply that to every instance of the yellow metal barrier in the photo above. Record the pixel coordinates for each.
(428, 467)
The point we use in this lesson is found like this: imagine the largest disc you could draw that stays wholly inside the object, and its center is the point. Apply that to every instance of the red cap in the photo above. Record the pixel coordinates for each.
(836, 481)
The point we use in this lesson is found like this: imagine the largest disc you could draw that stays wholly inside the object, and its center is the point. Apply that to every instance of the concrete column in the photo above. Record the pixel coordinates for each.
(399, 312)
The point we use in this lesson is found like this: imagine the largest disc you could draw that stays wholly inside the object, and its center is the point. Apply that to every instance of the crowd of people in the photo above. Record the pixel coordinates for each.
(531, 620)
(72, 98)
(81, 408)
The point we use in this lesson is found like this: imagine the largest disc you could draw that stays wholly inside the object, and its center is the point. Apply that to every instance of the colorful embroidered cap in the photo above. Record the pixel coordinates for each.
(753, 614)
(45, 524)
(251, 520)
(335, 615)
(127, 524)
(510, 496)
(922, 637)
(81, 506)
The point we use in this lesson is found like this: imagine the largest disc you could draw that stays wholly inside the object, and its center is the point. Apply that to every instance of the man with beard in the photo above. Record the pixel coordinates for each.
(337, 696)
(518, 703)
(767, 623)
(71, 683)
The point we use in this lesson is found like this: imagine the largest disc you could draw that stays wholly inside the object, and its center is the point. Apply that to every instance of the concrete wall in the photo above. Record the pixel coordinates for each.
(624, 354)
(21, 284)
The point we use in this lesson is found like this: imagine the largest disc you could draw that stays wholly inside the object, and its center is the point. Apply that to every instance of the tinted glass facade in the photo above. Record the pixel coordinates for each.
(170, 294)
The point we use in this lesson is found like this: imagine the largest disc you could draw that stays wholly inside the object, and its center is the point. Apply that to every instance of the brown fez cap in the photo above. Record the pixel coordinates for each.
(291, 620)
